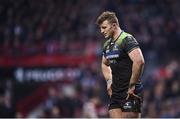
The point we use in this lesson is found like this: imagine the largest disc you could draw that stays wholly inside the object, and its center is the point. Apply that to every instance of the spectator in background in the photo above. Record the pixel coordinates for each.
(6, 109)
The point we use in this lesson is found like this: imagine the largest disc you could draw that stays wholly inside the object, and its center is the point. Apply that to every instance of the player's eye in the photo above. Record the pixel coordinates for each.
(103, 27)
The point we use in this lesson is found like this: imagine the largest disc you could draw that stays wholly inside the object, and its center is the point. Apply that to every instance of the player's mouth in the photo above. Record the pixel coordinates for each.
(106, 36)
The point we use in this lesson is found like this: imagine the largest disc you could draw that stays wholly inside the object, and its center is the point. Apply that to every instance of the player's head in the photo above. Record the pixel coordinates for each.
(108, 23)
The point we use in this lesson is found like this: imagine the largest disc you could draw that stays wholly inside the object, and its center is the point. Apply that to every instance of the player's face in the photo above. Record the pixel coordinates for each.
(106, 29)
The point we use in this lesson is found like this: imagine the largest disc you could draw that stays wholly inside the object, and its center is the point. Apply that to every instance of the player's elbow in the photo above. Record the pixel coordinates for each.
(140, 62)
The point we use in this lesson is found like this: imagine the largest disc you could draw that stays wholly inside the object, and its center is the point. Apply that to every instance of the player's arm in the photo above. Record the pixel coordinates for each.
(131, 46)
(138, 64)
(106, 70)
(137, 69)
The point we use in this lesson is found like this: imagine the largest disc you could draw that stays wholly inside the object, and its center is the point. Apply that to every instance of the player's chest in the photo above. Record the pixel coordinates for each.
(113, 53)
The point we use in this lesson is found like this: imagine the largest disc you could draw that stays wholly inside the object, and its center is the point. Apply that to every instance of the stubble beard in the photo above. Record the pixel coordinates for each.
(110, 36)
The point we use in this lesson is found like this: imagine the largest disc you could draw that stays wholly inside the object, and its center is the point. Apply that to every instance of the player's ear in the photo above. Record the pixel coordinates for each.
(114, 25)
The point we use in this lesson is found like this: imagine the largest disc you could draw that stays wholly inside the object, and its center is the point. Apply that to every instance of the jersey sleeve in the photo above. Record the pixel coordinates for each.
(104, 47)
(129, 43)
(104, 51)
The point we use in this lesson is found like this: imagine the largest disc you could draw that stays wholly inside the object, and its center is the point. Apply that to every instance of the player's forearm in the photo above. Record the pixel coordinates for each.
(106, 70)
(137, 69)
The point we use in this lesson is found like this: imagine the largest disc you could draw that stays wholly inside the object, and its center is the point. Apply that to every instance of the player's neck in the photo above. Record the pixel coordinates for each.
(116, 34)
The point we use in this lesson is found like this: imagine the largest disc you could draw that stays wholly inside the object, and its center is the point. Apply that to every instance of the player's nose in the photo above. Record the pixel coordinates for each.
(102, 31)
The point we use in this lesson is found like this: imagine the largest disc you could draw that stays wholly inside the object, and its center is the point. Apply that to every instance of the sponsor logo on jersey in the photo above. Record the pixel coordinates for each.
(127, 105)
(112, 56)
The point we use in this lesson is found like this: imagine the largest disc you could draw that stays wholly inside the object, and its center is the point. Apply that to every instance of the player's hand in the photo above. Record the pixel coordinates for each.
(131, 92)
(109, 89)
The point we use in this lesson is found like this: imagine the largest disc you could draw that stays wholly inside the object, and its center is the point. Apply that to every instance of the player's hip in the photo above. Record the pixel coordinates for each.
(133, 104)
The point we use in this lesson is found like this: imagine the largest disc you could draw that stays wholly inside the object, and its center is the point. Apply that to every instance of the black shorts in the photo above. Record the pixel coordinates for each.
(133, 104)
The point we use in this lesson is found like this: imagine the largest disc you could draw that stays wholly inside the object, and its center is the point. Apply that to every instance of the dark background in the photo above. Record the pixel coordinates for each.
(50, 55)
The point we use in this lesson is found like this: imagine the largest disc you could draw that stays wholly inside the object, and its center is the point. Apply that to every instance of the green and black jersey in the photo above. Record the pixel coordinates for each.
(116, 52)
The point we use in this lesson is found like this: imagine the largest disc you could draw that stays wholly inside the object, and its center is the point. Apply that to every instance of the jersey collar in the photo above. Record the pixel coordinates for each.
(117, 37)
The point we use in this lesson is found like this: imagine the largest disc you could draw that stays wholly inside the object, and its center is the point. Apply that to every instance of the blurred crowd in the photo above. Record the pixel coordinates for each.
(31, 27)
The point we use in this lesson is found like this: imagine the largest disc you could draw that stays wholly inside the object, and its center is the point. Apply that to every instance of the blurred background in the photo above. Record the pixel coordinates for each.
(50, 56)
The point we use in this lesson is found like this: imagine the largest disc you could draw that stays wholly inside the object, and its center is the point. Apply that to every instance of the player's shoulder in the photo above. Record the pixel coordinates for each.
(123, 37)
(106, 43)
(127, 37)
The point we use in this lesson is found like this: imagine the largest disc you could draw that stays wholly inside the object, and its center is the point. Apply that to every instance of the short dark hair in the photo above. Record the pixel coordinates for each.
(109, 16)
